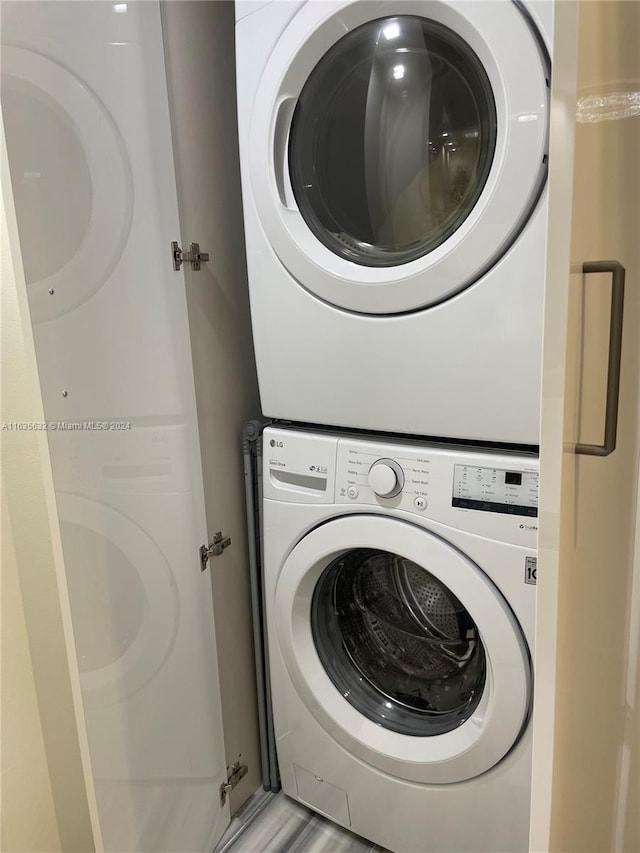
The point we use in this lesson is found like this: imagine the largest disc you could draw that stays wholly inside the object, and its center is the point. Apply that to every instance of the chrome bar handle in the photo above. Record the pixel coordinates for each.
(615, 354)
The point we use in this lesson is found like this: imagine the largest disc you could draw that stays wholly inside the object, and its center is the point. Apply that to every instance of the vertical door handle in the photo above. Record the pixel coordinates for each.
(615, 352)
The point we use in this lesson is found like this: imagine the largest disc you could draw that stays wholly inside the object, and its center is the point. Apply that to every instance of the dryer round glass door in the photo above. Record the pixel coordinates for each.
(392, 140)
(403, 649)
(394, 158)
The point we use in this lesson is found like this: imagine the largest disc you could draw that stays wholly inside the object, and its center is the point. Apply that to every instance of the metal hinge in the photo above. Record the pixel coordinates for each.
(219, 544)
(237, 772)
(194, 256)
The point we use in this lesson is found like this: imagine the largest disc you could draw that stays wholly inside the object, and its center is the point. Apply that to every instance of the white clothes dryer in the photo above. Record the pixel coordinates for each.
(394, 158)
(400, 598)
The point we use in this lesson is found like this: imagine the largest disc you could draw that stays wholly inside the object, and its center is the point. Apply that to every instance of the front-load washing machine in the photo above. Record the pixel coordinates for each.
(400, 597)
(394, 158)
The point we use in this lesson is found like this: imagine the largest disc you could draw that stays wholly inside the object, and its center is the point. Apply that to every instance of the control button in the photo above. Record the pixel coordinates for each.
(420, 502)
(386, 478)
(352, 492)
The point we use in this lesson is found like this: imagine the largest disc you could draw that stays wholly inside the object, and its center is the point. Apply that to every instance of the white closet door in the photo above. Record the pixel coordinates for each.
(586, 711)
(89, 142)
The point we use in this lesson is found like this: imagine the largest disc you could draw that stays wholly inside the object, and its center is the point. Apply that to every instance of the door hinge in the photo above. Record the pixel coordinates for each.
(237, 772)
(219, 544)
(194, 256)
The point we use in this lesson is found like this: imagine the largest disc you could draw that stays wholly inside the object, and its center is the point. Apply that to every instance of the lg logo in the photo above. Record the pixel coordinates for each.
(275, 443)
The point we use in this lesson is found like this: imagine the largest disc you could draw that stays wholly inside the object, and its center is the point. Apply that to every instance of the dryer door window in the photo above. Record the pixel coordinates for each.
(392, 140)
(394, 160)
(398, 645)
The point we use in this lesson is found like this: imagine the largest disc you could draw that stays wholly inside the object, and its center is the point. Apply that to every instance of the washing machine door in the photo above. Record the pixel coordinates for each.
(403, 649)
(397, 150)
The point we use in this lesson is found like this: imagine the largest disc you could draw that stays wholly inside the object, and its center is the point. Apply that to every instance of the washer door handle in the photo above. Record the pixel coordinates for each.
(615, 354)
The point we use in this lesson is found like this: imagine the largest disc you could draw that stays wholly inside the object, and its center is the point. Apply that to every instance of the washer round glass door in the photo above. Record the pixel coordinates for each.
(396, 642)
(402, 649)
(385, 147)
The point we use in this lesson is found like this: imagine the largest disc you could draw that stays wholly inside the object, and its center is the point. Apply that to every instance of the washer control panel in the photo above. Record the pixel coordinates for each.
(488, 493)
(376, 473)
(493, 494)
(496, 490)
(386, 478)
(299, 467)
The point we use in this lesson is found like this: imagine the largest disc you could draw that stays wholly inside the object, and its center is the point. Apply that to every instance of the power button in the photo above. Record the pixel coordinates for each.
(420, 502)
(352, 492)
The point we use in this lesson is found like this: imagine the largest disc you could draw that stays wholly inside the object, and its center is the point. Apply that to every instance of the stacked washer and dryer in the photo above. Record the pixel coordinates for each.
(394, 160)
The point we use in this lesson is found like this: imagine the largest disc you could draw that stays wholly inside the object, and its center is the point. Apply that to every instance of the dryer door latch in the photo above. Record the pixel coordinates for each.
(220, 543)
(194, 256)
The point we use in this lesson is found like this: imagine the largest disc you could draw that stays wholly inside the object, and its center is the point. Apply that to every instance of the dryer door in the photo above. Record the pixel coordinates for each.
(398, 149)
(403, 649)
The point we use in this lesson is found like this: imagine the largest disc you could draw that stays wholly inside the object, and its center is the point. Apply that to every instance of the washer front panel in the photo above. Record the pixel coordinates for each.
(462, 247)
(492, 727)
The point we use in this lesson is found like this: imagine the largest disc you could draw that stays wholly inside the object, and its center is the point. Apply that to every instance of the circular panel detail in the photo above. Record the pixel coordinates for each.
(392, 140)
(124, 599)
(41, 141)
(109, 594)
(500, 677)
(494, 202)
(71, 181)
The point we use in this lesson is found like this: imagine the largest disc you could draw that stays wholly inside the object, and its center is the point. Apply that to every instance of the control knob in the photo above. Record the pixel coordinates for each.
(386, 478)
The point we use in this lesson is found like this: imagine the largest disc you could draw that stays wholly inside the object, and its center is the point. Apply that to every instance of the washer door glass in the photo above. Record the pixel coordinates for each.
(397, 644)
(392, 140)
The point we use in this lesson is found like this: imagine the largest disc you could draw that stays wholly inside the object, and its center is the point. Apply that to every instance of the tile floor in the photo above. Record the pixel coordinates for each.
(285, 826)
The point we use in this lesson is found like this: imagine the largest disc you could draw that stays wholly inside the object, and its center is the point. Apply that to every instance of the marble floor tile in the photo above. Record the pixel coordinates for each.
(286, 826)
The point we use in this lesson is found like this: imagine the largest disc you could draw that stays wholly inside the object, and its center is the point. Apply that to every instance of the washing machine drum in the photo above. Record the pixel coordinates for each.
(394, 158)
(397, 643)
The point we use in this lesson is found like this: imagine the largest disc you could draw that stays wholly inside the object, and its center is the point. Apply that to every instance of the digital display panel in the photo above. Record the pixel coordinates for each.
(495, 490)
(513, 478)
